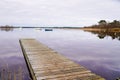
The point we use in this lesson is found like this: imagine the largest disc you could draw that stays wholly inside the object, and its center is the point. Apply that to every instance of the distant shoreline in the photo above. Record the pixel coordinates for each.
(77, 28)
(101, 29)
(47, 27)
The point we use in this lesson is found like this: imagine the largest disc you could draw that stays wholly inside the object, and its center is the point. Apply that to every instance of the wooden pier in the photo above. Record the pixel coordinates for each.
(46, 64)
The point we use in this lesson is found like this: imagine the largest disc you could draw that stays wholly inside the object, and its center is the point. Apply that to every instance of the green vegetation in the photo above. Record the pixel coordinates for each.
(104, 29)
(6, 28)
(105, 24)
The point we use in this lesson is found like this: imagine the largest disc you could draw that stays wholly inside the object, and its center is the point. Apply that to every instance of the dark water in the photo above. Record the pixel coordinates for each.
(99, 55)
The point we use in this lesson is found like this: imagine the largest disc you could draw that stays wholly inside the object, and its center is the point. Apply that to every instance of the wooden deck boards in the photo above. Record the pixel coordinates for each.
(46, 64)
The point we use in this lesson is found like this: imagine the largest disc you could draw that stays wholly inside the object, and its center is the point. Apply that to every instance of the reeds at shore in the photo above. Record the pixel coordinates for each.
(7, 74)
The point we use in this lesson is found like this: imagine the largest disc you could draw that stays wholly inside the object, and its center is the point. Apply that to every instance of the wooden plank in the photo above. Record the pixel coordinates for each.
(46, 64)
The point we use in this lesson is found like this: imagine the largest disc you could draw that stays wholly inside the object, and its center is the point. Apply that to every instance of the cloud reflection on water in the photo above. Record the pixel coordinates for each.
(99, 55)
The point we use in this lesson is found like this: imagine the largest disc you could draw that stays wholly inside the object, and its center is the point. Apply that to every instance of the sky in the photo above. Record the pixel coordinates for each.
(61, 13)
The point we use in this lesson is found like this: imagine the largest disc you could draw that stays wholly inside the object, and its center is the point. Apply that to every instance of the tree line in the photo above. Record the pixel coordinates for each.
(105, 24)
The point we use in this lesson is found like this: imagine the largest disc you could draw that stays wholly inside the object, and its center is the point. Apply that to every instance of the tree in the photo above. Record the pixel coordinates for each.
(102, 22)
(115, 23)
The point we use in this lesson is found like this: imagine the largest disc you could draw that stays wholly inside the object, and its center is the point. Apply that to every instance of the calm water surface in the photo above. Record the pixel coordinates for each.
(101, 56)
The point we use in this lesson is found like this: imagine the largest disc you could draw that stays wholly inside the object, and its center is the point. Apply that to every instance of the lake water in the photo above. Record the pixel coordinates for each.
(101, 56)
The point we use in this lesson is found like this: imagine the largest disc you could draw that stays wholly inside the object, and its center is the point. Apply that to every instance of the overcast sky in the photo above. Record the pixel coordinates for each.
(57, 12)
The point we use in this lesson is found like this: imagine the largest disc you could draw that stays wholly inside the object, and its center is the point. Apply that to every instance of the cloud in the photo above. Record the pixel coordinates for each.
(57, 12)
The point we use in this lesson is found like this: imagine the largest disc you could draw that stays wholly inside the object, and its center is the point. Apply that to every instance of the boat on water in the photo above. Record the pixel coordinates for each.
(48, 29)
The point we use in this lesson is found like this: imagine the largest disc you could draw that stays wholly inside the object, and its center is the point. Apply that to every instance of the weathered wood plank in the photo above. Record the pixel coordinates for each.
(46, 64)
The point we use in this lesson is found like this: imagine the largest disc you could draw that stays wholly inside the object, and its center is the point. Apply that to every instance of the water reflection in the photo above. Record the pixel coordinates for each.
(12, 63)
(13, 69)
(96, 66)
(100, 56)
(102, 34)
(6, 28)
